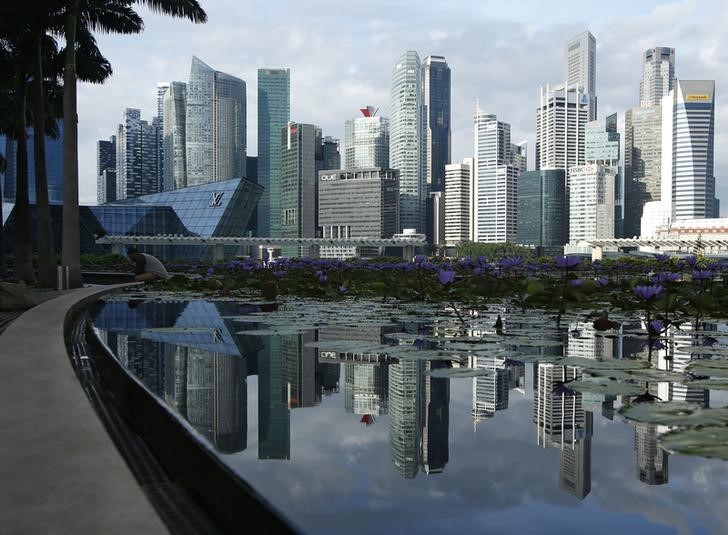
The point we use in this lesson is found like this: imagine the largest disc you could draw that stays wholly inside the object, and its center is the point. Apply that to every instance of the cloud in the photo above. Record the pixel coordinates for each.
(341, 58)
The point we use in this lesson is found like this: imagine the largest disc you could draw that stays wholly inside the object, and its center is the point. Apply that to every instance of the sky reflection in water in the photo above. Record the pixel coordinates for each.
(359, 443)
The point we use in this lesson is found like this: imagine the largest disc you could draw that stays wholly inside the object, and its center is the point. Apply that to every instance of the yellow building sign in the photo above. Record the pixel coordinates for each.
(697, 97)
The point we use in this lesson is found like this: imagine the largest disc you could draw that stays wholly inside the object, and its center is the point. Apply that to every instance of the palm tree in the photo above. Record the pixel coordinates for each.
(115, 16)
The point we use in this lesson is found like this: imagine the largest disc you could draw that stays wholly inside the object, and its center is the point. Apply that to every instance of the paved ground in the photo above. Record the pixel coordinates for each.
(60, 471)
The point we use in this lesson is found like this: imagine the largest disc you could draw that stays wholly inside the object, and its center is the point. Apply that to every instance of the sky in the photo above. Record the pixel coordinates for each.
(341, 57)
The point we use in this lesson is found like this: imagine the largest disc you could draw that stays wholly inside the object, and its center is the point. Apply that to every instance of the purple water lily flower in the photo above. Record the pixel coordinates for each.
(418, 259)
(666, 276)
(567, 262)
(603, 281)
(691, 260)
(647, 293)
(343, 289)
(478, 271)
(279, 274)
(661, 257)
(656, 344)
(655, 327)
(702, 274)
(511, 262)
(445, 276)
(576, 282)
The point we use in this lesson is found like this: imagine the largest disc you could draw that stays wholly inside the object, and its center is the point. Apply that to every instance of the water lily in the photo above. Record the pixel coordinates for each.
(576, 282)
(666, 276)
(655, 327)
(511, 262)
(567, 262)
(603, 281)
(446, 276)
(702, 274)
(343, 289)
(648, 293)
(691, 260)
(661, 257)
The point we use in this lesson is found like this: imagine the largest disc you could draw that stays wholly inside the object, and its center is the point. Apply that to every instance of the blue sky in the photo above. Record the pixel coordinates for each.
(341, 56)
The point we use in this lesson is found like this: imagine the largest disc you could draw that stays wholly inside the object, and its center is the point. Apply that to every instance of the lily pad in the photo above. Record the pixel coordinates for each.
(675, 413)
(710, 441)
(453, 373)
(615, 388)
(709, 384)
(606, 364)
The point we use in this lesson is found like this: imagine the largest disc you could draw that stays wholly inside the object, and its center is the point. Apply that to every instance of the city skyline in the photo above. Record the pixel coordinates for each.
(362, 76)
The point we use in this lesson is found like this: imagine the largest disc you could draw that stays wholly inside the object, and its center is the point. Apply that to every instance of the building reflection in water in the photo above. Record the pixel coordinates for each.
(490, 392)
(652, 460)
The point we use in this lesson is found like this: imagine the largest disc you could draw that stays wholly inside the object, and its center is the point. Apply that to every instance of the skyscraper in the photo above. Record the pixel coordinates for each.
(643, 137)
(543, 210)
(591, 202)
(560, 123)
(406, 139)
(458, 201)
(405, 415)
(436, 101)
(688, 139)
(658, 75)
(215, 128)
(495, 181)
(601, 146)
(106, 170)
(274, 112)
(174, 136)
(162, 89)
(136, 157)
(330, 157)
(580, 68)
(366, 141)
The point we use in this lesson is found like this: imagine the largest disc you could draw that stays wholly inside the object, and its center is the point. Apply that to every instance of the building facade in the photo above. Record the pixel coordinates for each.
(560, 124)
(591, 202)
(458, 205)
(580, 68)
(366, 141)
(136, 157)
(215, 127)
(658, 75)
(274, 112)
(495, 199)
(543, 210)
(406, 138)
(106, 170)
(357, 203)
(174, 146)
(436, 102)
(602, 146)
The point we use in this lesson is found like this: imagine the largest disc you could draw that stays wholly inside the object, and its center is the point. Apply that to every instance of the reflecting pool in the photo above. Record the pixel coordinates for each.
(364, 416)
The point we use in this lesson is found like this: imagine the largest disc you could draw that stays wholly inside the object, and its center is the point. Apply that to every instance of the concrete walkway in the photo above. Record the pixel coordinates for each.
(60, 471)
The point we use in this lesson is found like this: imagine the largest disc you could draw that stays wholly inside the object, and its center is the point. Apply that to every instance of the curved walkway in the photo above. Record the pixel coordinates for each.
(60, 471)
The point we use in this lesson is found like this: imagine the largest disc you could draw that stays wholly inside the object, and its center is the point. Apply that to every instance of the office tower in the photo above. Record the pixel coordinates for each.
(406, 139)
(490, 392)
(642, 164)
(436, 101)
(300, 144)
(575, 461)
(330, 157)
(652, 460)
(543, 210)
(495, 181)
(435, 449)
(688, 118)
(435, 215)
(405, 413)
(658, 75)
(643, 138)
(558, 413)
(162, 89)
(106, 170)
(366, 141)
(458, 206)
(174, 136)
(601, 146)
(274, 413)
(54, 166)
(215, 127)
(274, 112)
(591, 202)
(136, 157)
(299, 366)
(580, 68)
(357, 203)
(560, 123)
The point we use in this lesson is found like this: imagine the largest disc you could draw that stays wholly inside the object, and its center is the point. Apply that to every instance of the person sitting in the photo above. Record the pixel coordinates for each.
(146, 266)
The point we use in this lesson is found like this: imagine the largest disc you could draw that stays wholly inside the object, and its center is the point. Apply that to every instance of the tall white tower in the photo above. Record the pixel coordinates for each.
(580, 67)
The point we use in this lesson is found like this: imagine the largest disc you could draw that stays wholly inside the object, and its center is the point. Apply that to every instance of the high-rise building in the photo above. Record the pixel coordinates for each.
(366, 141)
(591, 202)
(274, 112)
(300, 144)
(495, 200)
(405, 415)
(106, 170)
(54, 166)
(174, 136)
(406, 139)
(543, 210)
(435, 449)
(458, 202)
(652, 460)
(688, 138)
(575, 461)
(580, 68)
(215, 127)
(330, 157)
(560, 123)
(601, 146)
(658, 75)
(642, 164)
(490, 392)
(357, 203)
(274, 413)
(136, 157)
(436, 101)
(162, 89)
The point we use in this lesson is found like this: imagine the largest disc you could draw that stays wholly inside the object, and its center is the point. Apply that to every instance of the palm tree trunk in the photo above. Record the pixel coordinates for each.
(42, 209)
(23, 267)
(71, 252)
(3, 273)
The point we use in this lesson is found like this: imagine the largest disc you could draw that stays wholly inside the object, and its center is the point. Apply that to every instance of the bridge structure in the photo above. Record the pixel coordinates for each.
(258, 244)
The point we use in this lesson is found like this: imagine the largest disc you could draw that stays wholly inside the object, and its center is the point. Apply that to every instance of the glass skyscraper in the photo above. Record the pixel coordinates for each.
(366, 141)
(173, 138)
(274, 112)
(136, 157)
(436, 100)
(542, 210)
(580, 68)
(658, 75)
(215, 128)
(406, 138)
(106, 170)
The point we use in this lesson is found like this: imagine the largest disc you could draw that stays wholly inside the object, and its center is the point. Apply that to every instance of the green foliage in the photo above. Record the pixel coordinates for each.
(493, 251)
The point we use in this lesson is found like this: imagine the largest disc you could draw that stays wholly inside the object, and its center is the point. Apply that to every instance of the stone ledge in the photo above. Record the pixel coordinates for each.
(61, 472)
